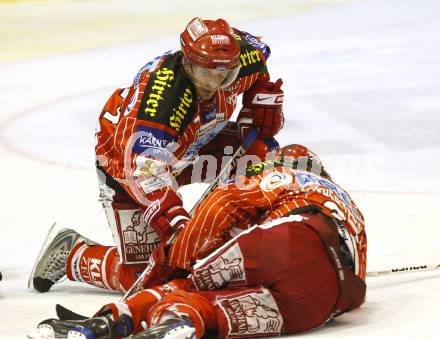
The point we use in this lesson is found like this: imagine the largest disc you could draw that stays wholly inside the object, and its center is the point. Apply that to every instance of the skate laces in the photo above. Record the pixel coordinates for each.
(56, 266)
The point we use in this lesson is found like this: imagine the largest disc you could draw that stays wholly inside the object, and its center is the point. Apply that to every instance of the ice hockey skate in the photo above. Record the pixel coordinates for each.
(50, 266)
(92, 328)
(170, 329)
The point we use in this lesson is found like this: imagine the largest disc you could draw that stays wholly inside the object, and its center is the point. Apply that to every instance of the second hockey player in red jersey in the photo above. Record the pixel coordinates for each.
(148, 140)
(302, 264)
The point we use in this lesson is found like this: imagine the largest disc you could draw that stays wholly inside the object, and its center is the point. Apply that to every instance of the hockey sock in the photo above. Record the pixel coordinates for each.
(91, 264)
(100, 266)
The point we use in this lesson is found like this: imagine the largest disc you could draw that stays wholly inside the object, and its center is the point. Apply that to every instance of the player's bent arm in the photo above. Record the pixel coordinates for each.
(209, 228)
(154, 190)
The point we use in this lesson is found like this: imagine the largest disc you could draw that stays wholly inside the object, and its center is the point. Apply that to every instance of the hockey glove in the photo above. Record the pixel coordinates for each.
(262, 108)
(166, 214)
(157, 271)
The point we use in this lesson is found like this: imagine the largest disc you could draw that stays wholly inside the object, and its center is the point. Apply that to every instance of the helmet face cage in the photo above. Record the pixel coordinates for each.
(211, 53)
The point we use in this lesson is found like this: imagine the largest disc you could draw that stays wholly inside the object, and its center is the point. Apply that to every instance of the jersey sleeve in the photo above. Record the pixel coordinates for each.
(135, 143)
(230, 208)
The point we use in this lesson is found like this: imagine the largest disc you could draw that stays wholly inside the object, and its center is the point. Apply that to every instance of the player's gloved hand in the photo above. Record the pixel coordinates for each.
(157, 270)
(262, 108)
(183, 305)
(166, 214)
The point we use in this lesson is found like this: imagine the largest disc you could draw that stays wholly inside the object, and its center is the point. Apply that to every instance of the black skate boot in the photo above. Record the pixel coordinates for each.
(50, 265)
(91, 328)
(174, 328)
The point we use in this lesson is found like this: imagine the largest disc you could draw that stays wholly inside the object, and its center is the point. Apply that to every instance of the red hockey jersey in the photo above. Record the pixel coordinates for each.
(269, 190)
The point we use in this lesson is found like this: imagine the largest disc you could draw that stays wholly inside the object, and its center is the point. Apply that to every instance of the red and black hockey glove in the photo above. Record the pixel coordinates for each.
(262, 108)
(166, 214)
(157, 270)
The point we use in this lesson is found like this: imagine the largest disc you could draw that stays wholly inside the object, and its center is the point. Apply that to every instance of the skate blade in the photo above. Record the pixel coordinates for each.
(42, 332)
(78, 335)
(180, 332)
(49, 237)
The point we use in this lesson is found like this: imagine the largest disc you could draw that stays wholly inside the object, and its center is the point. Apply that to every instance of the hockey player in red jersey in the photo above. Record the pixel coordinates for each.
(301, 265)
(148, 140)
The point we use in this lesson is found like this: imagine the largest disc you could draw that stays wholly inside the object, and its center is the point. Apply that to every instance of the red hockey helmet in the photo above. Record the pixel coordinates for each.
(294, 151)
(211, 53)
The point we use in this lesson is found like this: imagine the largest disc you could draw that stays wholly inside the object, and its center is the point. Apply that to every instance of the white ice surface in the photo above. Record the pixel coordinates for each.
(362, 84)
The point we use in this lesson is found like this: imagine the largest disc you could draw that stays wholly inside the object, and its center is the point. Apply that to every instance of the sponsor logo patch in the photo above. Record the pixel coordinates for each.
(274, 180)
(258, 44)
(232, 99)
(227, 269)
(268, 99)
(91, 271)
(232, 87)
(180, 112)
(132, 101)
(203, 140)
(155, 143)
(306, 179)
(138, 239)
(196, 29)
(152, 184)
(209, 114)
(151, 211)
(220, 117)
(261, 166)
(218, 39)
(249, 57)
(251, 315)
(206, 128)
(149, 66)
(161, 82)
(168, 98)
(148, 136)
